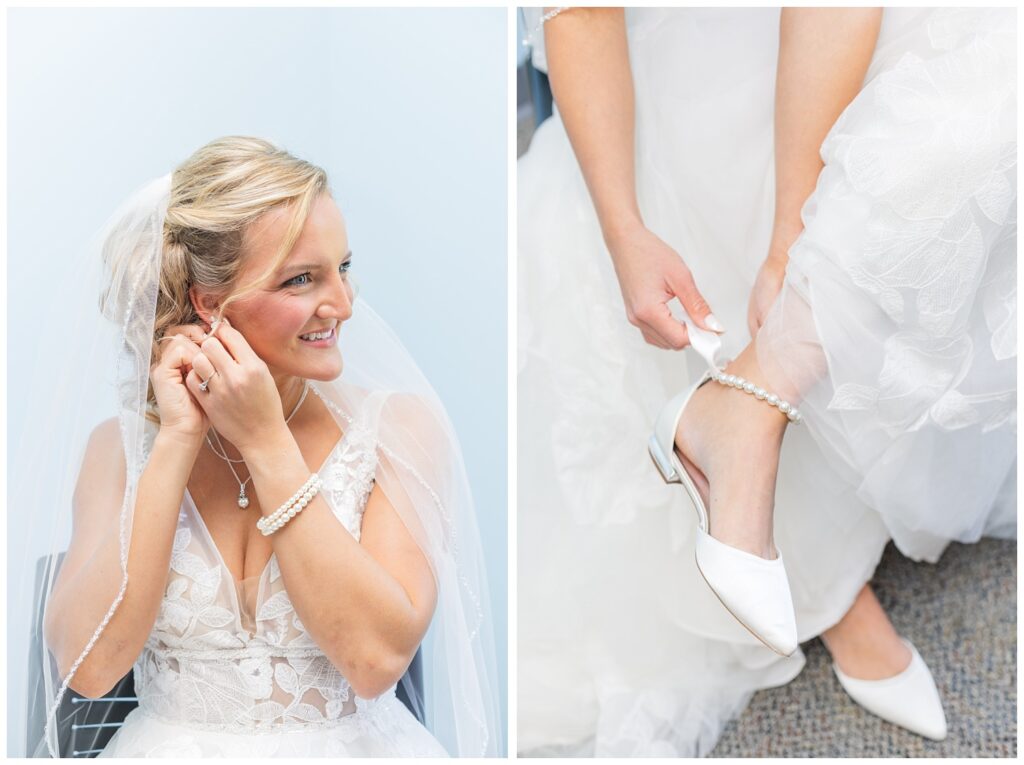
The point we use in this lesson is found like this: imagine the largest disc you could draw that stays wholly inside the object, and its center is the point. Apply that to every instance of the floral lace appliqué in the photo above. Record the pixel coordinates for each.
(201, 668)
(937, 168)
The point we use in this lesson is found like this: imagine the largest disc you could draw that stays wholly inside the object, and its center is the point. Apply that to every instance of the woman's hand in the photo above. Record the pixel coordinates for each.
(180, 413)
(650, 275)
(241, 399)
(766, 289)
(588, 63)
(772, 273)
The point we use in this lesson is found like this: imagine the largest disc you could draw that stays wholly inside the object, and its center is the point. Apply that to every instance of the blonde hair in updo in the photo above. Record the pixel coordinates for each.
(215, 194)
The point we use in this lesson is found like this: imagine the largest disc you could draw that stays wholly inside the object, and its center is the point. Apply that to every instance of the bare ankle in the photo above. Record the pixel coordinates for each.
(763, 411)
(864, 643)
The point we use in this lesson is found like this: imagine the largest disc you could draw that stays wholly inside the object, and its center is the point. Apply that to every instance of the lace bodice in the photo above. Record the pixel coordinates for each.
(235, 656)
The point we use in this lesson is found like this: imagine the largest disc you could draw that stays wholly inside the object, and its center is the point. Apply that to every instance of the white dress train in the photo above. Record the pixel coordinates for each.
(897, 323)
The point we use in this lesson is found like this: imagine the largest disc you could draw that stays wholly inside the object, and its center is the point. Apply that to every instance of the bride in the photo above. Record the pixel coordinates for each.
(856, 385)
(265, 538)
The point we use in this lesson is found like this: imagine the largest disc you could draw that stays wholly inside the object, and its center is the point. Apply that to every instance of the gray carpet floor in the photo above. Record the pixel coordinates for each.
(961, 614)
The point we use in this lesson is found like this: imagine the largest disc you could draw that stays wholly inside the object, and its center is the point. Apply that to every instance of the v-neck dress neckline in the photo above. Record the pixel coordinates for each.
(201, 523)
(207, 685)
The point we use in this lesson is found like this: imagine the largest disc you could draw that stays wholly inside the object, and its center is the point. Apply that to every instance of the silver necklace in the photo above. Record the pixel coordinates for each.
(223, 452)
(243, 500)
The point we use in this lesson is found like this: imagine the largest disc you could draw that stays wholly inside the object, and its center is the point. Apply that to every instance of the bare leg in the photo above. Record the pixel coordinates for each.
(730, 442)
(733, 440)
(731, 437)
(823, 55)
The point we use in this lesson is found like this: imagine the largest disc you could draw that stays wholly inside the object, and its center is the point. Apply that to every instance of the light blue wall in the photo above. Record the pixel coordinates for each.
(405, 108)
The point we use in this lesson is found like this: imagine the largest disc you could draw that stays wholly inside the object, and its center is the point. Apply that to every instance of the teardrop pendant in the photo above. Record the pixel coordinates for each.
(243, 501)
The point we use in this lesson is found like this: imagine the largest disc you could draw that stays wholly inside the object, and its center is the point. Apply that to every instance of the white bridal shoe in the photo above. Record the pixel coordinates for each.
(754, 590)
(909, 699)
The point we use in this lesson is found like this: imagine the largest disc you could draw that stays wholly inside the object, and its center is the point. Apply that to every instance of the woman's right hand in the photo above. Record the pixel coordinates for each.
(180, 413)
(591, 79)
(650, 275)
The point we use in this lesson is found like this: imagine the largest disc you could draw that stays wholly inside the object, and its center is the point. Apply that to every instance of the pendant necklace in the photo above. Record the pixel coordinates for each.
(243, 500)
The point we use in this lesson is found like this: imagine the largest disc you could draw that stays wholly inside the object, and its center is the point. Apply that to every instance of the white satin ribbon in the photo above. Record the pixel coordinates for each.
(707, 343)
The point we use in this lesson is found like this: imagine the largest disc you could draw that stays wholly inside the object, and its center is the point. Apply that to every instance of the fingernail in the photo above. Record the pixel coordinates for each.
(713, 323)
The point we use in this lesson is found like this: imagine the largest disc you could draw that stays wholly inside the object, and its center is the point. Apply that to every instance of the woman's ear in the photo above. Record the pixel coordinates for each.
(205, 303)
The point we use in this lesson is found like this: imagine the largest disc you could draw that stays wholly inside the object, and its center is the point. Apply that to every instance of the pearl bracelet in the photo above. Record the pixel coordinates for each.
(291, 508)
(735, 381)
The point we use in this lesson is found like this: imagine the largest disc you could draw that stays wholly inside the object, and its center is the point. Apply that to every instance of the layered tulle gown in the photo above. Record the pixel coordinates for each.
(897, 322)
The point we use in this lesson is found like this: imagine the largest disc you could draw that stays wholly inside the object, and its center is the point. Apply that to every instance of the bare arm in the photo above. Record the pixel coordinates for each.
(591, 80)
(90, 576)
(366, 604)
(824, 54)
(588, 62)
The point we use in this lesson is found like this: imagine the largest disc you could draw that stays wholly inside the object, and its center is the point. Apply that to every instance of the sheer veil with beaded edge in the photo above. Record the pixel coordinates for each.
(419, 468)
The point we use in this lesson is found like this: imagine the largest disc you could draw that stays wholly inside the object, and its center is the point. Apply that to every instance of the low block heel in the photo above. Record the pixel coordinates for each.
(661, 461)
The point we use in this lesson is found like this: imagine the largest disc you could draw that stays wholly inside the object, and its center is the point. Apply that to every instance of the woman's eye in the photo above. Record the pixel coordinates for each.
(305, 278)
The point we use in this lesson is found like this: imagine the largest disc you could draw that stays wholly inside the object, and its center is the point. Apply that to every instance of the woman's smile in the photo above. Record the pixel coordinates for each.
(303, 304)
(323, 338)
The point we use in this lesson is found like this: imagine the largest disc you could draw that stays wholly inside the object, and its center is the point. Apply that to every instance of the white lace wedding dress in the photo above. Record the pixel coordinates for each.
(230, 671)
(900, 297)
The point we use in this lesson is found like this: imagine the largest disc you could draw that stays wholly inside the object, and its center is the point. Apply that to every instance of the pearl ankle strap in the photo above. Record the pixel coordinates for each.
(735, 381)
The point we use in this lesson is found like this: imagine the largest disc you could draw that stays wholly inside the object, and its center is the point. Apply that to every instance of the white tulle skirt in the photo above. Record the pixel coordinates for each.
(896, 325)
(387, 730)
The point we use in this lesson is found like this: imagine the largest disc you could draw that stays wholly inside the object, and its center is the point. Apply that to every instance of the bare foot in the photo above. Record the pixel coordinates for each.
(729, 442)
(864, 644)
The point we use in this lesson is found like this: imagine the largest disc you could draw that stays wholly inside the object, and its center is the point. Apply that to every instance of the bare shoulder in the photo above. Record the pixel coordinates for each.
(101, 476)
(98, 494)
(107, 433)
(104, 446)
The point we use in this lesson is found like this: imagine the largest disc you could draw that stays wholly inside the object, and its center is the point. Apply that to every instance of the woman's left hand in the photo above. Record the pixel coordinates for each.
(241, 398)
(766, 289)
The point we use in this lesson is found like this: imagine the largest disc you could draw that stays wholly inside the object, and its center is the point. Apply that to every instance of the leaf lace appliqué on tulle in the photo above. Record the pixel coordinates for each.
(200, 668)
(921, 144)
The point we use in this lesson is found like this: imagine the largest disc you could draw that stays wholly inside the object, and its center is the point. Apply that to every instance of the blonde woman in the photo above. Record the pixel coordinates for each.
(264, 532)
